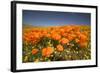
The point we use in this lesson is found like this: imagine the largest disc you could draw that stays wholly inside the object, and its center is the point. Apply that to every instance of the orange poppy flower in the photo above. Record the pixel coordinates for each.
(35, 51)
(78, 33)
(71, 36)
(85, 33)
(69, 28)
(83, 37)
(36, 35)
(60, 48)
(83, 44)
(56, 36)
(46, 52)
(44, 32)
(62, 31)
(64, 41)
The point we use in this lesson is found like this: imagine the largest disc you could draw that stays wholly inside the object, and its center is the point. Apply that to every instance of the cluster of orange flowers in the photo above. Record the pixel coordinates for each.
(63, 34)
(46, 52)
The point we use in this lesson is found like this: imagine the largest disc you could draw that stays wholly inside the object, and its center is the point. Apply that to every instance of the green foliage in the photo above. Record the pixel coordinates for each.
(55, 42)
(43, 42)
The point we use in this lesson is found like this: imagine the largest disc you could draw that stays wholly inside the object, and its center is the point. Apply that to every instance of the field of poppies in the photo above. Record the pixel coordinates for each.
(56, 43)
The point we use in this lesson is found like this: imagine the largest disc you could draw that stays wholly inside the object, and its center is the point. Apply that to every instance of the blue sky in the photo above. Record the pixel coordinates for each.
(50, 18)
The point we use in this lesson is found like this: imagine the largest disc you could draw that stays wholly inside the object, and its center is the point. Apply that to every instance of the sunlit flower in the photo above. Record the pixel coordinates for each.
(35, 51)
(64, 41)
(60, 48)
(82, 37)
(83, 44)
(46, 52)
(56, 36)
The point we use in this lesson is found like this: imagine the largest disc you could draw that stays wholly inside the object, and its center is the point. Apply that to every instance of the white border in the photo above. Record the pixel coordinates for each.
(21, 65)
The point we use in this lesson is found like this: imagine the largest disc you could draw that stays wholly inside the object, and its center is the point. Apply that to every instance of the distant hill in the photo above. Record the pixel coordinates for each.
(33, 26)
